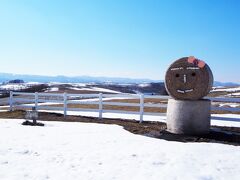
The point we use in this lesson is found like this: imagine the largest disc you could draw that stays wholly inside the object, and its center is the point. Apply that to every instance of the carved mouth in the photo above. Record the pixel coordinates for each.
(184, 91)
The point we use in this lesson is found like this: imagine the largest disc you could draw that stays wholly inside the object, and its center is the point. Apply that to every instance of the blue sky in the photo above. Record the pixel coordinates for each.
(118, 38)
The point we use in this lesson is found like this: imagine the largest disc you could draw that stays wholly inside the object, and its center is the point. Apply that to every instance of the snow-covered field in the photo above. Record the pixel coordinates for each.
(221, 89)
(95, 89)
(54, 87)
(14, 86)
(236, 94)
(94, 151)
(17, 86)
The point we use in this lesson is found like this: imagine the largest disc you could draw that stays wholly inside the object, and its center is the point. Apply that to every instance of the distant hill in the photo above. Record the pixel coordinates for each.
(77, 79)
(5, 77)
(217, 83)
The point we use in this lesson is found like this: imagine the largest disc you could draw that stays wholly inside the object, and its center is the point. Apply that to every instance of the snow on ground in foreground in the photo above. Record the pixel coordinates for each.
(95, 151)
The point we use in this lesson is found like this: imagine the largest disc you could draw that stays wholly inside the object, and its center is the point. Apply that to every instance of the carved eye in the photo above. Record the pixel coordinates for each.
(177, 75)
(193, 74)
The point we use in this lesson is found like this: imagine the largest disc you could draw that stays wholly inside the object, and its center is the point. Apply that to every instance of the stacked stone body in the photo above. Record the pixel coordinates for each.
(187, 81)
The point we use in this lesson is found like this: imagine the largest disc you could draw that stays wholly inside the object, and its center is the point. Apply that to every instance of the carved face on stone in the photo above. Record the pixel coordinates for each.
(188, 79)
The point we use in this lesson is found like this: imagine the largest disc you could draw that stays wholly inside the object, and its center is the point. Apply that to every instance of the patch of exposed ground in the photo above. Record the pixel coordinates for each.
(218, 134)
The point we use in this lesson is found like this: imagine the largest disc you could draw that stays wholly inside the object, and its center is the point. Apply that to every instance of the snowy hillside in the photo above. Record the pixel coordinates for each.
(226, 91)
(14, 86)
(146, 88)
(93, 151)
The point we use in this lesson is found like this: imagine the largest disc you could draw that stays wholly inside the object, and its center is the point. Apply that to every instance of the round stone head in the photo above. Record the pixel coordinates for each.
(188, 79)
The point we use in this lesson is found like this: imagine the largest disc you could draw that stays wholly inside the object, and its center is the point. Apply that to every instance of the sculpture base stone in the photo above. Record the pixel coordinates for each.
(188, 117)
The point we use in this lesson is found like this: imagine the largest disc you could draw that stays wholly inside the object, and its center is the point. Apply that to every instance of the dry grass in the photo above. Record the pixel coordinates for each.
(110, 107)
(149, 100)
(217, 94)
(224, 112)
(135, 109)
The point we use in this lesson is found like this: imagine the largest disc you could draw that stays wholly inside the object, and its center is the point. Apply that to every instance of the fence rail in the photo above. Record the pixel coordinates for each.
(42, 101)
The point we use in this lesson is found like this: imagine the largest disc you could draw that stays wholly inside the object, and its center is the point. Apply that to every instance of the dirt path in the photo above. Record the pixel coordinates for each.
(218, 134)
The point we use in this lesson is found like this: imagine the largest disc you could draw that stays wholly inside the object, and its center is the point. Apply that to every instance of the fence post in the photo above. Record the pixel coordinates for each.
(141, 107)
(100, 106)
(65, 104)
(36, 101)
(11, 101)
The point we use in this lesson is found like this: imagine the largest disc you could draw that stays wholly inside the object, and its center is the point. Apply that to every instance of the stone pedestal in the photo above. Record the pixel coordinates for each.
(188, 116)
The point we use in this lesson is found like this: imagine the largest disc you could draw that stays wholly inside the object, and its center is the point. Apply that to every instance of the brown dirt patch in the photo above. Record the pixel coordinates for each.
(218, 134)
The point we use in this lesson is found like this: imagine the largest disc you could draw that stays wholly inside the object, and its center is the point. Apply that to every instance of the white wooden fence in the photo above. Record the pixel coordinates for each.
(34, 99)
